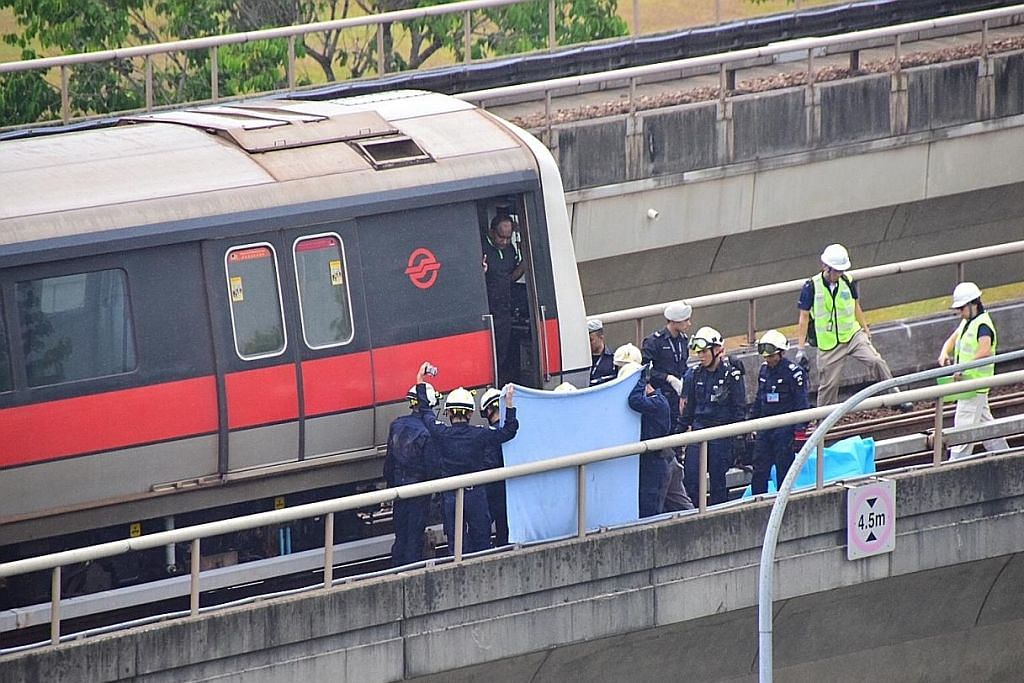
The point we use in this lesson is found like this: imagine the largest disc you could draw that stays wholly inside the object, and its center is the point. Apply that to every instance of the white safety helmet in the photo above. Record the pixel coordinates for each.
(678, 311)
(488, 400)
(628, 368)
(432, 395)
(836, 257)
(627, 353)
(964, 293)
(565, 387)
(706, 337)
(460, 399)
(595, 325)
(772, 342)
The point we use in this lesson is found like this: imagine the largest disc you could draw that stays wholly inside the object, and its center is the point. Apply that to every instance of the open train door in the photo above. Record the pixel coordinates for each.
(425, 301)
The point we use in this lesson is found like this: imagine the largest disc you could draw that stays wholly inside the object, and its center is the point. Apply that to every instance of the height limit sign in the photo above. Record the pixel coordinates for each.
(871, 519)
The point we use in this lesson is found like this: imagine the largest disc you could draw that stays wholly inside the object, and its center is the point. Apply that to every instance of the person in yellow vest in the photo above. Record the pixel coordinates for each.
(974, 338)
(839, 328)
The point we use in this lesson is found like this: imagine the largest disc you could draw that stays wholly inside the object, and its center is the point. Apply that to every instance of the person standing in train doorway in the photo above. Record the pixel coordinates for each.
(974, 338)
(503, 264)
(831, 316)
(411, 458)
(463, 449)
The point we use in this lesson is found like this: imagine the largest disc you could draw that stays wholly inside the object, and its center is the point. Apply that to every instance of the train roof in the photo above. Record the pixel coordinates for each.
(247, 158)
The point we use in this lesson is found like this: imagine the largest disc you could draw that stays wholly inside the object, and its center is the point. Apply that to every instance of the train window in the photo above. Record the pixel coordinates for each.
(5, 356)
(76, 327)
(322, 279)
(255, 294)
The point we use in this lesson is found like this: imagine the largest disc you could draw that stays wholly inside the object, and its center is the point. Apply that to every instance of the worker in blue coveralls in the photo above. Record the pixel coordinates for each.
(411, 458)
(655, 422)
(666, 351)
(714, 395)
(602, 363)
(490, 410)
(781, 388)
(463, 449)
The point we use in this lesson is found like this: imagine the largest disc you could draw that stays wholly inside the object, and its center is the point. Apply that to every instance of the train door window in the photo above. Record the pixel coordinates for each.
(5, 356)
(324, 304)
(254, 289)
(76, 327)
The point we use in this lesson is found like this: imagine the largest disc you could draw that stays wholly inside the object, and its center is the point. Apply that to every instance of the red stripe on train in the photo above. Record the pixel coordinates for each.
(458, 359)
(106, 421)
(337, 383)
(554, 344)
(262, 396)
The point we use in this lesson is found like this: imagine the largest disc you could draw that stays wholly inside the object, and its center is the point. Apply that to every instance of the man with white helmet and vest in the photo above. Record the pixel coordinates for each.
(411, 458)
(974, 338)
(602, 362)
(781, 388)
(463, 448)
(839, 328)
(714, 395)
(490, 410)
(666, 351)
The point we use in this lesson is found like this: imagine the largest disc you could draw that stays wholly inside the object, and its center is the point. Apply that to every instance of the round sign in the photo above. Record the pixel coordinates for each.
(871, 519)
(422, 268)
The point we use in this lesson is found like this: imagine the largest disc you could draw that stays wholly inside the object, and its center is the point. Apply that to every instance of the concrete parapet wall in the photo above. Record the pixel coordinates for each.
(676, 593)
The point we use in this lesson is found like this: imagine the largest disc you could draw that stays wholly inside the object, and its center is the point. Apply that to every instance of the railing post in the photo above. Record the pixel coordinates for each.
(639, 330)
(552, 44)
(752, 322)
(702, 483)
(381, 64)
(819, 466)
(149, 82)
(960, 272)
(937, 436)
(55, 606)
(291, 62)
(193, 597)
(581, 501)
(467, 36)
(65, 96)
(328, 550)
(636, 17)
(718, 11)
(214, 75)
(460, 513)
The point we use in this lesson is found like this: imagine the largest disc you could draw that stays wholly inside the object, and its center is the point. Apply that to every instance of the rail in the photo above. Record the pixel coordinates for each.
(727, 63)
(194, 534)
(862, 399)
(750, 295)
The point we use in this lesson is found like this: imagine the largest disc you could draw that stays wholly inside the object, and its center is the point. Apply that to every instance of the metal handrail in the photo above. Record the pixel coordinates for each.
(862, 399)
(752, 294)
(194, 534)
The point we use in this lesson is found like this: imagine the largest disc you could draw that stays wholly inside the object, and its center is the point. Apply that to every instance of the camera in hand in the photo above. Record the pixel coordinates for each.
(430, 370)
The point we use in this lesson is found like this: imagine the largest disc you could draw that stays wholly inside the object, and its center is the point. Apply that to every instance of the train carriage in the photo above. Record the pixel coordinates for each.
(226, 305)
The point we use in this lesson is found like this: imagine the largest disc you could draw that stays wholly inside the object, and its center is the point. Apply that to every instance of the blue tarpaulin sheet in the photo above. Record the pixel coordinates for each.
(552, 424)
(850, 457)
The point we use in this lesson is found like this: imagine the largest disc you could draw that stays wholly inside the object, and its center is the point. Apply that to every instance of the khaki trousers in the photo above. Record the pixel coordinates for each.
(830, 365)
(969, 412)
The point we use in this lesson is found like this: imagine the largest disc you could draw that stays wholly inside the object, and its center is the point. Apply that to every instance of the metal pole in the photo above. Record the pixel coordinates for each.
(639, 324)
(702, 483)
(581, 501)
(291, 62)
(718, 11)
(937, 436)
(636, 17)
(551, 25)
(65, 96)
(214, 75)
(55, 606)
(380, 50)
(819, 466)
(460, 514)
(984, 39)
(193, 596)
(328, 550)
(467, 37)
(149, 82)
(752, 321)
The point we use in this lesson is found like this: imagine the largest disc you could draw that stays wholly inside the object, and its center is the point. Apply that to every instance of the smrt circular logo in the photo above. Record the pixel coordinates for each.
(423, 268)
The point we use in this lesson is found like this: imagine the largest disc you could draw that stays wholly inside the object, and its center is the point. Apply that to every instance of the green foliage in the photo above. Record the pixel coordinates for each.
(92, 25)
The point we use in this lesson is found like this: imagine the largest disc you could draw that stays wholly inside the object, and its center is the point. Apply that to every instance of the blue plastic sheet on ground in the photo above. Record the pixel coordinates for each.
(844, 459)
(552, 424)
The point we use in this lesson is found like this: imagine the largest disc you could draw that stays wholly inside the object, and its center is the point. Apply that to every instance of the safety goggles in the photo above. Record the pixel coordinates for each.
(767, 349)
(699, 345)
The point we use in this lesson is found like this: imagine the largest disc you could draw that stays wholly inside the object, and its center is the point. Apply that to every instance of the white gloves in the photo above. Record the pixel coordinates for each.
(676, 384)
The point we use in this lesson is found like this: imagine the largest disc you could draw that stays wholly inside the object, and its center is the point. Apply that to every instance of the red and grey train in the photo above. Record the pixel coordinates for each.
(212, 311)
